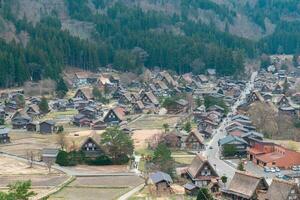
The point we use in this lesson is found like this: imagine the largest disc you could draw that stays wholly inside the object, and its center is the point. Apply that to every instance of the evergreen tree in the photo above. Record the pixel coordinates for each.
(241, 166)
(118, 145)
(43, 105)
(61, 88)
(18, 191)
(204, 194)
(162, 159)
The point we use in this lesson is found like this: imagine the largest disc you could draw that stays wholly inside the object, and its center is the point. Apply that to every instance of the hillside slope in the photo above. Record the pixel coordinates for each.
(41, 37)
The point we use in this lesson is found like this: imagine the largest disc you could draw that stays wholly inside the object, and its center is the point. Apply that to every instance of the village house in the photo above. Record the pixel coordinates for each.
(91, 147)
(180, 106)
(282, 190)
(203, 174)
(125, 98)
(194, 142)
(191, 189)
(99, 125)
(84, 94)
(160, 183)
(255, 96)
(31, 127)
(239, 144)
(59, 105)
(47, 126)
(49, 155)
(138, 107)
(20, 119)
(89, 112)
(167, 79)
(33, 111)
(282, 101)
(149, 99)
(81, 120)
(244, 186)
(296, 98)
(2, 113)
(270, 154)
(4, 135)
(114, 116)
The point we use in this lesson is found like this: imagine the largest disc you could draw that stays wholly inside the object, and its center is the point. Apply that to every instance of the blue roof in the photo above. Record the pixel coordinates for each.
(160, 176)
(230, 138)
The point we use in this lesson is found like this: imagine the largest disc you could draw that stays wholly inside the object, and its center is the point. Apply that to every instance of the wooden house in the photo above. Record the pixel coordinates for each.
(49, 155)
(99, 125)
(149, 99)
(33, 111)
(4, 135)
(89, 112)
(161, 183)
(191, 189)
(31, 127)
(47, 126)
(239, 144)
(255, 96)
(202, 173)
(20, 119)
(114, 116)
(138, 107)
(245, 186)
(283, 101)
(282, 190)
(91, 147)
(194, 141)
(84, 93)
(81, 120)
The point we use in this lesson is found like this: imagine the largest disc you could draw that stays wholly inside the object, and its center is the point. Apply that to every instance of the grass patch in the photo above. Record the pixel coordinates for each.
(186, 160)
(144, 152)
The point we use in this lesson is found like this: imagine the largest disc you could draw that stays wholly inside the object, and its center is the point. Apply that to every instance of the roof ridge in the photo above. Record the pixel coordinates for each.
(248, 174)
(283, 181)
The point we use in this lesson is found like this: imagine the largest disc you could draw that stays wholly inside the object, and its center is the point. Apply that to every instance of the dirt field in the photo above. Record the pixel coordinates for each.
(13, 170)
(22, 142)
(141, 137)
(99, 169)
(154, 121)
(91, 188)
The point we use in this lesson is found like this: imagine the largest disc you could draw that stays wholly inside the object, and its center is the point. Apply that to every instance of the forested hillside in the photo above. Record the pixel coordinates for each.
(40, 38)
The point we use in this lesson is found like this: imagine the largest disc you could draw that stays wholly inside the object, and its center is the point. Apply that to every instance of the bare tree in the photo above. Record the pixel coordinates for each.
(61, 140)
(264, 117)
(30, 158)
(49, 162)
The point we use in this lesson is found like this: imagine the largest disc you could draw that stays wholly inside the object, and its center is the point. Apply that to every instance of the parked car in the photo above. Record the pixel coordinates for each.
(272, 169)
(267, 169)
(279, 175)
(295, 168)
(277, 169)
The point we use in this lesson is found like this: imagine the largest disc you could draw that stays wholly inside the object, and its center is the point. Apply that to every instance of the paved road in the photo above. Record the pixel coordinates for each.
(222, 167)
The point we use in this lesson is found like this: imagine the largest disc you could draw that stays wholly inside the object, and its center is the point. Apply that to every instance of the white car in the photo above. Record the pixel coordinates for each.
(277, 169)
(295, 168)
(272, 169)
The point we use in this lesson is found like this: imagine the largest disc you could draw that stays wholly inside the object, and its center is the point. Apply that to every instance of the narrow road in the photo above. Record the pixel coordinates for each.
(221, 166)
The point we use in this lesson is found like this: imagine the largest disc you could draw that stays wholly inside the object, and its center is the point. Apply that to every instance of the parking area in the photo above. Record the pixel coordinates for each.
(259, 171)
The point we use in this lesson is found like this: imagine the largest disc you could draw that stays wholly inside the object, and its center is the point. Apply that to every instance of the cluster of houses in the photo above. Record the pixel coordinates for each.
(277, 90)
(245, 186)
(246, 141)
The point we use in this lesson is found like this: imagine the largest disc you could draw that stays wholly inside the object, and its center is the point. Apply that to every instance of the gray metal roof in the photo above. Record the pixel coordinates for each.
(160, 176)
(4, 130)
(231, 138)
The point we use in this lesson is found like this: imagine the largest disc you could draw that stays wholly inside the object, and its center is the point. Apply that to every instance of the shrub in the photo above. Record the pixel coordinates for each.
(64, 159)
(101, 160)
